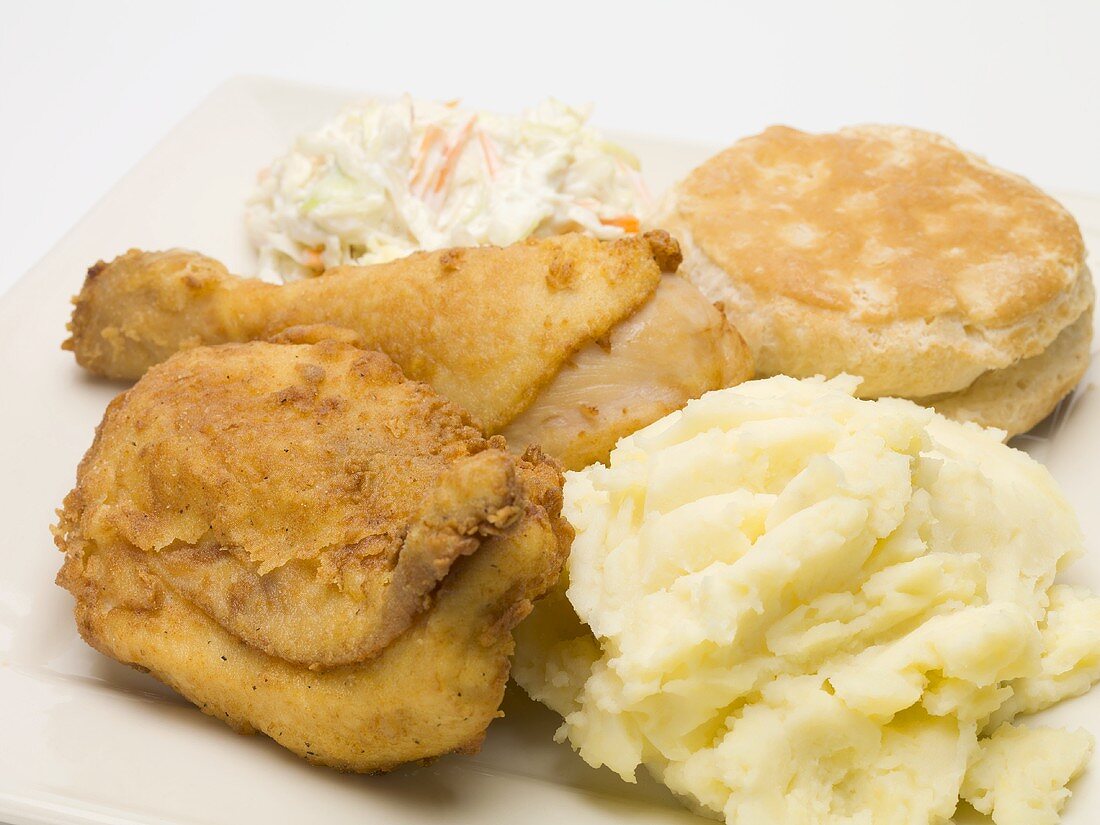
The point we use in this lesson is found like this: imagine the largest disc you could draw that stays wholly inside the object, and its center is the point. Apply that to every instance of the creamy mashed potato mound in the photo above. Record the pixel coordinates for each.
(794, 606)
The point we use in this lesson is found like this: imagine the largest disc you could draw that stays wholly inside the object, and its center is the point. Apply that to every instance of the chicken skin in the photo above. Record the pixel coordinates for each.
(489, 328)
(304, 543)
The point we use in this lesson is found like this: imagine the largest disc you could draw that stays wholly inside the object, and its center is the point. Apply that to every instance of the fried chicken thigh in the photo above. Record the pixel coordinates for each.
(304, 543)
(491, 329)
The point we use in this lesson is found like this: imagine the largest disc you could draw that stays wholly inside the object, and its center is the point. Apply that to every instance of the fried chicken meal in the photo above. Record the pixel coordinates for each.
(326, 507)
(892, 254)
(510, 334)
(305, 543)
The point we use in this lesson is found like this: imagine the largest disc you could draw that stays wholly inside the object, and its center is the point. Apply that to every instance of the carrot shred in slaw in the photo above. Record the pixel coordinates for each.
(627, 223)
(384, 179)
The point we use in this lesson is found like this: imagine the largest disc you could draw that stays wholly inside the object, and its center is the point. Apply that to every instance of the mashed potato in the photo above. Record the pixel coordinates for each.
(794, 606)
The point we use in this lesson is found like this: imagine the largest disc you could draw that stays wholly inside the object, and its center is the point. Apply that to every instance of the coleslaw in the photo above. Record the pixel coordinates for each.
(384, 179)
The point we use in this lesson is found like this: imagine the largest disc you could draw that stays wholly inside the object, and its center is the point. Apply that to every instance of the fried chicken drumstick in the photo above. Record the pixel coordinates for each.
(569, 342)
(304, 543)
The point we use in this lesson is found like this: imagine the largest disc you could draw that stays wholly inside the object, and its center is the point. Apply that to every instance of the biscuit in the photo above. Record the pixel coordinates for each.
(1017, 398)
(880, 251)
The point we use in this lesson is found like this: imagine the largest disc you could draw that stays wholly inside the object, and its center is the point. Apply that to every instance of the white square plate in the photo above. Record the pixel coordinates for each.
(85, 740)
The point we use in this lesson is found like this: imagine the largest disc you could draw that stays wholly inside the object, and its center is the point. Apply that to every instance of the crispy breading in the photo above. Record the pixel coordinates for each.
(486, 327)
(511, 334)
(305, 543)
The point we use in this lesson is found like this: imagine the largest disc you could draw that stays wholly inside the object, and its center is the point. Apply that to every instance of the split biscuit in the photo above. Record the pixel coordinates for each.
(889, 253)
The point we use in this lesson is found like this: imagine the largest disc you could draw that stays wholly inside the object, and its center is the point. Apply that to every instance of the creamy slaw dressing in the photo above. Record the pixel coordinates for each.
(384, 179)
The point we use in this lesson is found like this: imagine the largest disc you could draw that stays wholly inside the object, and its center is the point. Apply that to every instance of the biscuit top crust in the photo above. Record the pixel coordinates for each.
(882, 222)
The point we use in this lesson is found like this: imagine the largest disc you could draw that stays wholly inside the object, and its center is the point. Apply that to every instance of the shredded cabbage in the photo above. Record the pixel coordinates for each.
(384, 179)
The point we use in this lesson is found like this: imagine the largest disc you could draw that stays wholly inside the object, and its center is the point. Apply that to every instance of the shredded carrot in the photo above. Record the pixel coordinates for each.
(454, 151)
(432, 135)
(628, 223)
(312, 257)
(490, 154)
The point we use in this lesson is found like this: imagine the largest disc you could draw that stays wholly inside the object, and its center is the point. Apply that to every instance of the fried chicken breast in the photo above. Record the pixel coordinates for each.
(489, 328)
(304, 543)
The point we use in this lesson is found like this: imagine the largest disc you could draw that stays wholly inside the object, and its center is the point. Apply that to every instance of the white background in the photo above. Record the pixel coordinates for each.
(87, 88)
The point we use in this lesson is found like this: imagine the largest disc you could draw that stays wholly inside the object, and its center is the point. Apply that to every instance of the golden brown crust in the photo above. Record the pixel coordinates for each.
(486, 327)
(885, 223)
(127, 316)
(433, 691)
(882, 252)
(326, 501)
(665, 249)
(305, 543)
